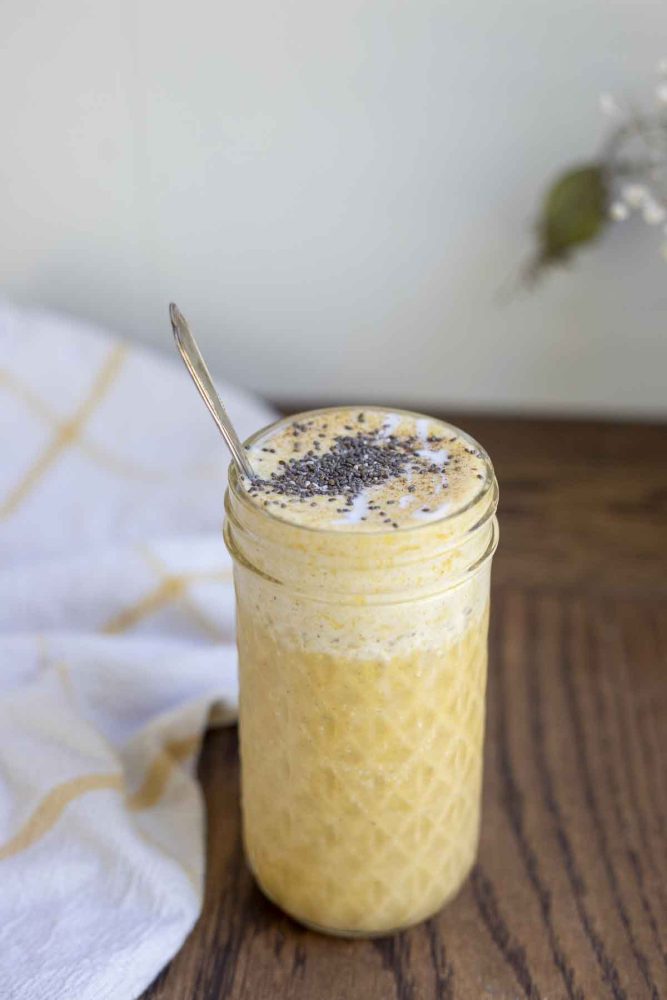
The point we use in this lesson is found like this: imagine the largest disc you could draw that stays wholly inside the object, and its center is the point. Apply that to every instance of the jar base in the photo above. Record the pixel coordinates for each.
(353, 935)
(359, 935)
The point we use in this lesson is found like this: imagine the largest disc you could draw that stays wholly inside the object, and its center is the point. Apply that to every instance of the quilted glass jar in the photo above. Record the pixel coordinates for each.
(362, 661)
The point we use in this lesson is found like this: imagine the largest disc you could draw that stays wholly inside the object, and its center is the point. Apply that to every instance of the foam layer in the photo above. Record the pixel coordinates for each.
(365, 469)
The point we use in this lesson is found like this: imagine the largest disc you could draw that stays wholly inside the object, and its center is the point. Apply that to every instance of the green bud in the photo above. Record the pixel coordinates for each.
(574, 212)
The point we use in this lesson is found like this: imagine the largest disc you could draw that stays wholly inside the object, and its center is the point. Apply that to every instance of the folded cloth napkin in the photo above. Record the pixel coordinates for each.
(116, 643)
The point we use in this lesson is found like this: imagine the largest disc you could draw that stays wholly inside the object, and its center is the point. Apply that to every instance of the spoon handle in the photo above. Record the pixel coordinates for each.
(201, 377)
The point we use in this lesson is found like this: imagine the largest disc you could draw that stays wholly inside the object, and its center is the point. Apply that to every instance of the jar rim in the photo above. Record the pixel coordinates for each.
(486, 485)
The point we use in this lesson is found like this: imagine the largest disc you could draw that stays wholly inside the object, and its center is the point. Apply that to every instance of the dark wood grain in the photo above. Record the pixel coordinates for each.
(569, 896)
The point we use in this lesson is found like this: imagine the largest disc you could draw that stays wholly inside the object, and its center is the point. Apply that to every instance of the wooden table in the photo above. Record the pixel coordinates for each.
(569, 898)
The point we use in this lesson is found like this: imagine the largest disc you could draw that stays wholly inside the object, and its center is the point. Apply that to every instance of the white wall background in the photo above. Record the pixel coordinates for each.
(333, 192)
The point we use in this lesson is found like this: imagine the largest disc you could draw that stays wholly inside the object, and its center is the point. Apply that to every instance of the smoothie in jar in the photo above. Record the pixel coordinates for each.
(362, 557)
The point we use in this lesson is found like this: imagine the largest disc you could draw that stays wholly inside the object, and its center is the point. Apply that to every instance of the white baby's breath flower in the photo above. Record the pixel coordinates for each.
(635, 195)
(609, 105)
(653, 213)
(645, 171)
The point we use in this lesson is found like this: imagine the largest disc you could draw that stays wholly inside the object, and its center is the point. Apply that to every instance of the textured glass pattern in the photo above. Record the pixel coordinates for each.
(361, 777)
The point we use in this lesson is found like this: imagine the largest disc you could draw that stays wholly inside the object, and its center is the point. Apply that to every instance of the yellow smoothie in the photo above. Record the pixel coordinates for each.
(362, 569)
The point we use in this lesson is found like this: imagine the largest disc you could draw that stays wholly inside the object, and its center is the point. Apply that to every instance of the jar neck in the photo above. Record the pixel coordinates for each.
(361, 566)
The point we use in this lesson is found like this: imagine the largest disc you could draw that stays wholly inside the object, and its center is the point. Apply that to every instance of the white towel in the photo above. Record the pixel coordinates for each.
(116, 641)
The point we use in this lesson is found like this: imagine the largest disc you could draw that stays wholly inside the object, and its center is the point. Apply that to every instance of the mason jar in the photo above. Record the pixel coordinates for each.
(362, 665)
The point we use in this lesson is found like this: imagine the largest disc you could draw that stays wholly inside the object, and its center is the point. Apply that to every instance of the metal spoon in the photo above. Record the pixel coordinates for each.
(201, 377)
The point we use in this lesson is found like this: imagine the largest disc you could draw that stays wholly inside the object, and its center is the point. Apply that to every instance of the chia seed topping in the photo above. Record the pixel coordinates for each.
(353, 462)
(369, 469)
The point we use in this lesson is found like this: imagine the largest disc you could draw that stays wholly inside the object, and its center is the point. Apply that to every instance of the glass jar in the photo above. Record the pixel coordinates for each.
(362, 662)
